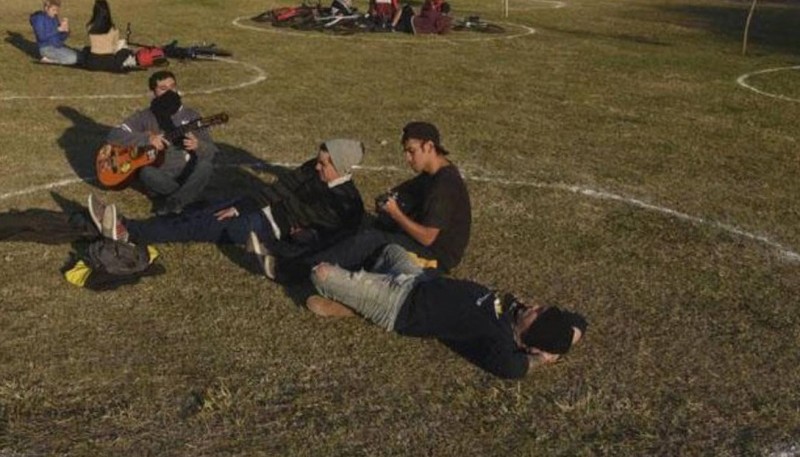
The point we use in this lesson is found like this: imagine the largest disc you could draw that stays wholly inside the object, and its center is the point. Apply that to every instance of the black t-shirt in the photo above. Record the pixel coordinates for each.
(462, 314)
(442, 201)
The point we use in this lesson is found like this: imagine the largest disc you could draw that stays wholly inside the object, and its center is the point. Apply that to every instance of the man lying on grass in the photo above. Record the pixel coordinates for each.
(304, 211)
(499, 334)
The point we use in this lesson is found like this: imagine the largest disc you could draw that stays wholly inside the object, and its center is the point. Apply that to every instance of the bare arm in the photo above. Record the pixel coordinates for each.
(423, 234)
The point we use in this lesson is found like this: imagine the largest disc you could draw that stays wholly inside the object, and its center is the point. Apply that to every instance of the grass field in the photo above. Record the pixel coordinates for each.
(693, 300)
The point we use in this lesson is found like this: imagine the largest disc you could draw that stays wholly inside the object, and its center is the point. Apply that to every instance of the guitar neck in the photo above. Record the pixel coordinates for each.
(174, 135)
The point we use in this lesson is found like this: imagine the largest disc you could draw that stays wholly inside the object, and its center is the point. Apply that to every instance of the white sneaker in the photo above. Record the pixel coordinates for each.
(113, 227)
(265, 260)
(97, 209)
(130, 62)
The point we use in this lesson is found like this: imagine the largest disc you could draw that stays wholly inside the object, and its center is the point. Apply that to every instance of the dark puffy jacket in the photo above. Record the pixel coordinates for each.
(302, 203)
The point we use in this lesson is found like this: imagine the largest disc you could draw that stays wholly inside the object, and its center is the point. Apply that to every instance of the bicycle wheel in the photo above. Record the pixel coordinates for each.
(348, 28)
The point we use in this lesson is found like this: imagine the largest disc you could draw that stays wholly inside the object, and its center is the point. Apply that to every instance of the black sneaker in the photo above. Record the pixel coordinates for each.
(167, 208)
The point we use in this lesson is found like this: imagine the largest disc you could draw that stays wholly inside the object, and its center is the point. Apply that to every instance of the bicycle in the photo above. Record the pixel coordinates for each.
(172, 50)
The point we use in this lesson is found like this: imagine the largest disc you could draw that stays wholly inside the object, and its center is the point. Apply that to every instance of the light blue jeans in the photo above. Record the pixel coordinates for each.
(376, 295)
(62, 55)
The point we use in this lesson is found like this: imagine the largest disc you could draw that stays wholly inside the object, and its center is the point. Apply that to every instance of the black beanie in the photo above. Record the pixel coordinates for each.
(551, 331)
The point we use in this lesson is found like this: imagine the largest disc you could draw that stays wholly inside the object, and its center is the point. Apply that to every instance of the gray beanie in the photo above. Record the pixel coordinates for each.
(345, 154)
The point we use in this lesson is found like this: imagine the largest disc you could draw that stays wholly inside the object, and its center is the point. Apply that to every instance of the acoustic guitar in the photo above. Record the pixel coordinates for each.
(116, 165)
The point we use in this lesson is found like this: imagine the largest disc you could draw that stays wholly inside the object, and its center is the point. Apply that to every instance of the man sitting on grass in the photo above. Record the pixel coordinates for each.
(186, 166)
(304, 211)
(499, 334)
(429, 214)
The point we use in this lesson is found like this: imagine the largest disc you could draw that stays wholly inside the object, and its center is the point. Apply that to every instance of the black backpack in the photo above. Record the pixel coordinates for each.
(118, 258)
(110, 264)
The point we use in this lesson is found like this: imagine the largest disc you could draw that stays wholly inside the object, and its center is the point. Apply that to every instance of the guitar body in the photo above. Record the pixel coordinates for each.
(117, 165)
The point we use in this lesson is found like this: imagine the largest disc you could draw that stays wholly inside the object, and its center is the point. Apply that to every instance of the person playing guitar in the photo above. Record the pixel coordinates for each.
(185, 164)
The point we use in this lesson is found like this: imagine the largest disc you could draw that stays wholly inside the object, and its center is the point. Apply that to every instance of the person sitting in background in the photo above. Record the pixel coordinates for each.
(106, 51)
(384, 13)
(51, 35)
(500, 334)
(434, 18)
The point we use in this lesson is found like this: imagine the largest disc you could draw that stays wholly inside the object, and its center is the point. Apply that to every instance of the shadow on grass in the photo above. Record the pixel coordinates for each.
(241, 174)
(25, 45)
(638, 39)
(69, 225)
(298, 290)
(80, 142)
(774, 25)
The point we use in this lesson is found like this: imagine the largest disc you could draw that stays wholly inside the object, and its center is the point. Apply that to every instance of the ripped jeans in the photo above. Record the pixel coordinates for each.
(377, 295)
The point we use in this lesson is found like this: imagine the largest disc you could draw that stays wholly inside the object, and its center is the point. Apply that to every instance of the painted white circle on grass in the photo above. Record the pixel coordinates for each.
(521, 30)
(743, 81)
(260, 75)
(537, 5)
(782, 250)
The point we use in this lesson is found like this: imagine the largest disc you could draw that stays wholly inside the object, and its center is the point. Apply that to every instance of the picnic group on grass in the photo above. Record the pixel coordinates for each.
(391, 266)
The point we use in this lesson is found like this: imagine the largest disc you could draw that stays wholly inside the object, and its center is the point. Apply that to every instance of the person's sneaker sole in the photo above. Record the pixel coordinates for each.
(326, 307)
(109, 226)
(97, 210)
(112, 227)
(265, 260)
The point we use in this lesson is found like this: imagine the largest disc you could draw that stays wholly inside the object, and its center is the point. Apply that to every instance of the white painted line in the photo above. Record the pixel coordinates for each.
(546, 5)
(491, 37)
(782, 250)
(603, 195)
(34, 189)
(742, 81)
(260, 76)
(525, 30)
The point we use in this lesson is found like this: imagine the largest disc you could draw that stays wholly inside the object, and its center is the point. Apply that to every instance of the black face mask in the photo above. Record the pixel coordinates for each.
(166, 104)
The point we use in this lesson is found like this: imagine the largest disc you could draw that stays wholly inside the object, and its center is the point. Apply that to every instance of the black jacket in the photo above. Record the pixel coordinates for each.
(303, 203)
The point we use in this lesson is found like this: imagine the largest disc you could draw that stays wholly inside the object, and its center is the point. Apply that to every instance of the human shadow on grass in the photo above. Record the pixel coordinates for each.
(80, 142)
(772, 26)
(70, 224)
(25, 45)
(638, 39)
